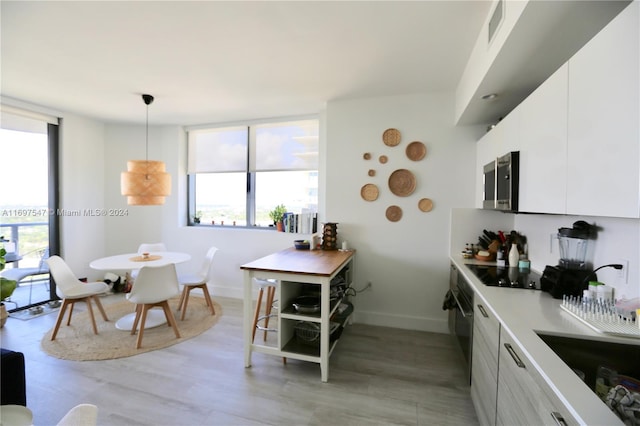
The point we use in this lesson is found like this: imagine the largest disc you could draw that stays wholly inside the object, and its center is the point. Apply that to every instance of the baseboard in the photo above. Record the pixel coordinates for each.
(401, 321)
(231, 292)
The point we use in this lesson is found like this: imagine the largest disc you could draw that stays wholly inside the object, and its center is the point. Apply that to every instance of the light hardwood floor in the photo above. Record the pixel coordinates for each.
(377, 376)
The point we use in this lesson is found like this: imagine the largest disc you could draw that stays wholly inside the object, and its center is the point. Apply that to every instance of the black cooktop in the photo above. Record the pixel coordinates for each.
(492, 275)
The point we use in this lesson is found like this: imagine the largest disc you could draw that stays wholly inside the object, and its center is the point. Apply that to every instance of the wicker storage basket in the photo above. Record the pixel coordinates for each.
(308, 333)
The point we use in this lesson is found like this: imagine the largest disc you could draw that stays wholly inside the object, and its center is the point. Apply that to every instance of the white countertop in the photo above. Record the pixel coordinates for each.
(527, 312)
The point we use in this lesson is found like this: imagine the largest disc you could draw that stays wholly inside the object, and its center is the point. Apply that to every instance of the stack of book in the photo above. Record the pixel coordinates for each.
(300, 223)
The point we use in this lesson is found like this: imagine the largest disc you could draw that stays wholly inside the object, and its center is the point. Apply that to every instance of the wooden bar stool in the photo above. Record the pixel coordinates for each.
(270, 286)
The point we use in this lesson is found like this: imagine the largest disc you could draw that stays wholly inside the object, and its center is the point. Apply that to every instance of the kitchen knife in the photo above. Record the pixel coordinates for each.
(483, 243)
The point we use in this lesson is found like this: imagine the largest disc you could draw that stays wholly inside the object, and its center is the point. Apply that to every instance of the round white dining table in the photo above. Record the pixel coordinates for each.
(130, 261)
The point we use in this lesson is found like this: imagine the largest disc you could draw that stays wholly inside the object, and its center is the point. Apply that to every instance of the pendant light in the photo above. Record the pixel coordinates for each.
(145, 183)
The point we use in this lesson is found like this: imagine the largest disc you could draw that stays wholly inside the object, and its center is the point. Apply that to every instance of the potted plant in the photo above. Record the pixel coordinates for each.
(277, 214)
(197, 216)
(6, 289)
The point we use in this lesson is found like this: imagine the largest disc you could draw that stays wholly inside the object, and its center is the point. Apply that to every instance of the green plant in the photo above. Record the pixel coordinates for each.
(278, 213)
(6, 286)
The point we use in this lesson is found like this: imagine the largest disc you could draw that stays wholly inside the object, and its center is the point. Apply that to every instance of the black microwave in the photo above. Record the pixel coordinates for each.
(500, 183)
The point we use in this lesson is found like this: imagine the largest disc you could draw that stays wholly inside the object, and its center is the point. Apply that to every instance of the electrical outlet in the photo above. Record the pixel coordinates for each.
(622, 275)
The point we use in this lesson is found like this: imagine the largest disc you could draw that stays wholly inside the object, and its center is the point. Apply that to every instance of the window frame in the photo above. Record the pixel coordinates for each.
(250, 204)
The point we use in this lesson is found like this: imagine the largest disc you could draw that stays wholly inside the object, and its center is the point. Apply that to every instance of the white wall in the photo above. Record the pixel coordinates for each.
(617, 239)
(407, 261)
(82, 182)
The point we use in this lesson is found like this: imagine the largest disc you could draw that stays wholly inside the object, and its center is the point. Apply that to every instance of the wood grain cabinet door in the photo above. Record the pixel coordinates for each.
(484, 367)
(523, 398)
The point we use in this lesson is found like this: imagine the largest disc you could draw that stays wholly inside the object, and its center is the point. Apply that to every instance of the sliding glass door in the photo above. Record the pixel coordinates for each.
(28, 223)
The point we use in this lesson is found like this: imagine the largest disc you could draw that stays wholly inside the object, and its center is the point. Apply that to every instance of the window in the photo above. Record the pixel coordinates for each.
(237, 175)
(29, 229)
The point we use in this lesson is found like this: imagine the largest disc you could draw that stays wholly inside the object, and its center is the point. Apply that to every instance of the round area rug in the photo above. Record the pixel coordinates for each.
(77, 341)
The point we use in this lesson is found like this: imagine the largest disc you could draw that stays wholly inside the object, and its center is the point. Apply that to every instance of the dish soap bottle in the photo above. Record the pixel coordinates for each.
(514, 255)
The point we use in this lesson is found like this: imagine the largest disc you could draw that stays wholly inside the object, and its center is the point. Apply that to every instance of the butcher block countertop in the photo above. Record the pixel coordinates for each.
(306, 262)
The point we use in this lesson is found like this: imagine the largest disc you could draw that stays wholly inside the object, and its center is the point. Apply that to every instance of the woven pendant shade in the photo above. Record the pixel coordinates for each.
(145, 183)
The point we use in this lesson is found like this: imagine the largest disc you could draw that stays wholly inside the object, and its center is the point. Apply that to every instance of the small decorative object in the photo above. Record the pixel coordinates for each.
(514, 255)
(366, 156)
(383, 159)
(425, 205)
(369, 192)
(484, 255)
(302, 244)
(6, 289)
(330, 236)
(394, 213)
(371, 172)
(416, 151)
(276, 215)
(402, 182)
(391, 137)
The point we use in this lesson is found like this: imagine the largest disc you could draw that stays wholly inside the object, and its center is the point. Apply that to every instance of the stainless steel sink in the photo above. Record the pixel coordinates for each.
(587, 355)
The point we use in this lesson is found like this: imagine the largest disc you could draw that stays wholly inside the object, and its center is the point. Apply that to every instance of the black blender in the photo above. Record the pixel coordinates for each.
(570, 276)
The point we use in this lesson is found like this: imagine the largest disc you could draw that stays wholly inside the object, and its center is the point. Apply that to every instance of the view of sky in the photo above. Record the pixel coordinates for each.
(23, 158)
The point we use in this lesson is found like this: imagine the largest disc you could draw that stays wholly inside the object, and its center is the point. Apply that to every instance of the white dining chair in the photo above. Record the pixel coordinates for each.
(80, 415)
(147, 248)
(154, 287)
(71, 290)
(151, 247)
(199, 280)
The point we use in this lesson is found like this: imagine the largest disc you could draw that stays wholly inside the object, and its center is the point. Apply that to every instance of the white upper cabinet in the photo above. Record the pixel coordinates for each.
(603, 168)
(543, 147)
(579, 133)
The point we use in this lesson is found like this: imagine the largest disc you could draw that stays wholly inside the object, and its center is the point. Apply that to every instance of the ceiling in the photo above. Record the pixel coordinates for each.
(215, 62)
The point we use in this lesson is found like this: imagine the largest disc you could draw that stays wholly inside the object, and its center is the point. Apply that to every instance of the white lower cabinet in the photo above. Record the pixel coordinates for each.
(523, 396)
(484, 364)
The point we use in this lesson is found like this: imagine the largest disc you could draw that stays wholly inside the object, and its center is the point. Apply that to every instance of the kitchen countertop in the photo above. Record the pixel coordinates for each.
(527, 312)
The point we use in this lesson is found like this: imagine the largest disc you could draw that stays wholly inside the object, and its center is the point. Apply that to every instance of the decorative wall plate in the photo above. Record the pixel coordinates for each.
(391, 137)
(402, 182)
(425, 205)
(416, 151)
(394, 213)
(383, 159)
(371, 172)
(366, 156)
(369, 192)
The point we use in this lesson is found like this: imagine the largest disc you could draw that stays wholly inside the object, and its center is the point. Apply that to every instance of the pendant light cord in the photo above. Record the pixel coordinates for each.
(146, 152)
(148, 99)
